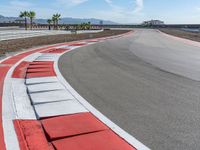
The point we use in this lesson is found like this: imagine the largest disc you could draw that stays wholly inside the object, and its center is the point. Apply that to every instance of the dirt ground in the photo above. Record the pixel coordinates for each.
(182, 34)
(25, 43)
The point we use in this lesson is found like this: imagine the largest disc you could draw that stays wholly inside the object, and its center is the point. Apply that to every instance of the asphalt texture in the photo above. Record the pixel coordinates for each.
(146, 83)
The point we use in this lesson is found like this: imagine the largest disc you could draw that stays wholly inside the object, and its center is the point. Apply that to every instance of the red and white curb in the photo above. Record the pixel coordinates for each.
(41, 111)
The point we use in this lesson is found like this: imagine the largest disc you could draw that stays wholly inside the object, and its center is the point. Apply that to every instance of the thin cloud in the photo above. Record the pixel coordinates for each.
(108, 1)
(71, 2)
(122, 13)
(139, 6)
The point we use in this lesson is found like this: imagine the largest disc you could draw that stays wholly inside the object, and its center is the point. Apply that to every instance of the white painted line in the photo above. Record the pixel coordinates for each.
(51, 96)
(41, 80)
(45, 87)
(59, 108)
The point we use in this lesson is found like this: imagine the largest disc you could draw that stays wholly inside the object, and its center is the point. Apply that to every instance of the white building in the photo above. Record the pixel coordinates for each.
(153, 22)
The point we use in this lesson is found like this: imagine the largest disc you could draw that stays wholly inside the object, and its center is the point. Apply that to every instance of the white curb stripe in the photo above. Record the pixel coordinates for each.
(22, 102)
(41, 80)
(50, 96)
(45, 87)
(59, 108)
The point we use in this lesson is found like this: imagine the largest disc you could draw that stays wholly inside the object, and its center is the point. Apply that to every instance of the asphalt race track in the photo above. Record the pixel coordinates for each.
(147, 83)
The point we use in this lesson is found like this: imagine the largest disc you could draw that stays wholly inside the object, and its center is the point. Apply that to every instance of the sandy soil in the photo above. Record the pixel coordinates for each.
(182, 34)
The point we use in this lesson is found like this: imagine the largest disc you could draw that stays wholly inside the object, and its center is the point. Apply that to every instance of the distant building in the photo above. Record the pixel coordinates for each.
(153, 22)
(20, 21)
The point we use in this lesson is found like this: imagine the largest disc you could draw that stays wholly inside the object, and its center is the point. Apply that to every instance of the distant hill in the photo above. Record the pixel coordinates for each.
(66, 20)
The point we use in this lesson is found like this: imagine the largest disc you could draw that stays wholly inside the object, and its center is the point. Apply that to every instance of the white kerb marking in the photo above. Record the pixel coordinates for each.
(51, 96)
(45, 87)
(41, 80)
(59, 108)
(22, 103)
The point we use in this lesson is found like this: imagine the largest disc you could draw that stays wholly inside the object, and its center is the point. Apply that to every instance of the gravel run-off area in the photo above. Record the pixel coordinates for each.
(183, 34)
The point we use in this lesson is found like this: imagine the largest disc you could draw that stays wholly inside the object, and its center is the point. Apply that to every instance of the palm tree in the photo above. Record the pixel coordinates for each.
(54, 21)
(56, 18)
(24, 15)
(31, 15)
(49, 21)
(89, 25)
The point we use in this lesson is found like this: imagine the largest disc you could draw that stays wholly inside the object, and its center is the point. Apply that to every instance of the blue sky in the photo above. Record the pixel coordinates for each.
(121, 11)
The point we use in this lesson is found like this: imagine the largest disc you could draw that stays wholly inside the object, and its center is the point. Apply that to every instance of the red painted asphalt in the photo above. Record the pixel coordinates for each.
(72, 125)
(31, 135)
(56, 50)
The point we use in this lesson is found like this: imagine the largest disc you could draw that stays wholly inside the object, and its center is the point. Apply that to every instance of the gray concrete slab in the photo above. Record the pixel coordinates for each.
(31, 81)
(146, 83)
(45, 87)
(59, 108)
(50, 96)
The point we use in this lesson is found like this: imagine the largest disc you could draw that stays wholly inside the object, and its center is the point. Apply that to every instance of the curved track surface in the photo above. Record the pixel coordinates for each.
(147, 83)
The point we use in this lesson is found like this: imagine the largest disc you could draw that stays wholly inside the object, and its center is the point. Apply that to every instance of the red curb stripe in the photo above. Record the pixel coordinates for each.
(42, 74)
(40, 69)
(72, 125)
(31, 135)
(3, 72)
(38, 66)
(56, 50)
(20, 70)
(77, 44)
(37, 70)
(104, 140)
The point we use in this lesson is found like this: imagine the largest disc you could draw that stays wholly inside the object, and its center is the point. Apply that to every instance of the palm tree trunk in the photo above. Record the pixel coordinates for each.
(25, 23)
(31, 23)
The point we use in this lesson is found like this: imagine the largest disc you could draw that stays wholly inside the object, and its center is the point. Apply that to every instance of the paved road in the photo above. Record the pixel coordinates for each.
(147, 83)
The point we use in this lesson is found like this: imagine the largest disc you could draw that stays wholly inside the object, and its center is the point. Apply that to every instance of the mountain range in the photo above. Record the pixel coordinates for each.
(65, 20)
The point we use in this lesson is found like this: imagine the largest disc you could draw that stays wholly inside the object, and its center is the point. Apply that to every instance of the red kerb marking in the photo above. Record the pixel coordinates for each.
(20, 70)
(56, 50)
(39, 66)
(72, 125)
(3, 72)
(104, 140)
(31, 135)
(37, 70)
(40, 69)
(77, 44)
(40, 74)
